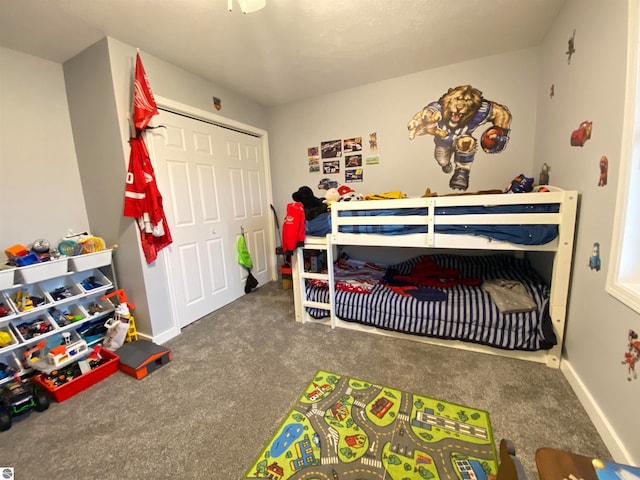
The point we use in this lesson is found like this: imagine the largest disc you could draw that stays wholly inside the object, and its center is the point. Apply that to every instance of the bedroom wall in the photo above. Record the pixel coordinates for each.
(41, 193)
(385, 108)
(591, 87)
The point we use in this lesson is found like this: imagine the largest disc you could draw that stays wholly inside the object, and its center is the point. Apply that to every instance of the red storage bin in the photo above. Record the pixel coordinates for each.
(78, 384)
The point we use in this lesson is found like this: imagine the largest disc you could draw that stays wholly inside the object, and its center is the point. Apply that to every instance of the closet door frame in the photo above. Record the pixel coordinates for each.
(198, 114)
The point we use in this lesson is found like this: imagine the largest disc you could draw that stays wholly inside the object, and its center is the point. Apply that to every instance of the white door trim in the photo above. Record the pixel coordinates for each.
(181, 108)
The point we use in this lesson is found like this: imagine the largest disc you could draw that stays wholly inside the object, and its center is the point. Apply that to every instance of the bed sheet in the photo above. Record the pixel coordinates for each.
(467, 314)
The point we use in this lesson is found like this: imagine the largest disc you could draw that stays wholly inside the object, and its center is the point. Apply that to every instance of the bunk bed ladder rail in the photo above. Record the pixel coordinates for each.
(328, 277)
(561, 273)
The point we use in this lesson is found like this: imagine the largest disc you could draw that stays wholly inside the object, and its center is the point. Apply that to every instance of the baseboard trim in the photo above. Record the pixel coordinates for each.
(163, 337)
(616, 448)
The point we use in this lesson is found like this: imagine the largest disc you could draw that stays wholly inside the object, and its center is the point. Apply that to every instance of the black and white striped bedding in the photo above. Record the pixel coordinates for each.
(468, 314)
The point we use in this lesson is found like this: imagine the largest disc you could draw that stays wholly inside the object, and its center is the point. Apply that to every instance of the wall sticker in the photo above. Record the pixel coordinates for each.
(543, 179)
(583, 133)
(452, 121)
(571, 47)
(632, 355)
(373, 141)
(604, 171)
(594, 260)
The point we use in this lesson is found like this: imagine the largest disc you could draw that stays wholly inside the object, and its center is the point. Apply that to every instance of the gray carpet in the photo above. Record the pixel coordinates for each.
(238, 371)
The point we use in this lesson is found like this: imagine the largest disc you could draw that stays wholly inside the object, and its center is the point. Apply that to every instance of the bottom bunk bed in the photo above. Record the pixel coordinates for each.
(493, 302)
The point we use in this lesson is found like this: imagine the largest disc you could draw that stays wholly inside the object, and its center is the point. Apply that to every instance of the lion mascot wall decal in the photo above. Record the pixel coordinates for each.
(452, 120)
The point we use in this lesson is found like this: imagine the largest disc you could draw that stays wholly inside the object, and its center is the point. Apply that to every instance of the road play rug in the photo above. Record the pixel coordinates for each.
(344, 428)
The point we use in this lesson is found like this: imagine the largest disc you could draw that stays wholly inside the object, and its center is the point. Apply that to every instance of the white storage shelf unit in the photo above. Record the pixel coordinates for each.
(70, 290)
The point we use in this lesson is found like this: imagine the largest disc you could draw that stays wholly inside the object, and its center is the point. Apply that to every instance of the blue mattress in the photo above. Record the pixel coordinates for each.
(467, 314)
(518, 234)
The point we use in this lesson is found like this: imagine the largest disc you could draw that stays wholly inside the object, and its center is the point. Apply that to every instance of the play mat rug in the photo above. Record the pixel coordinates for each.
(344, 428)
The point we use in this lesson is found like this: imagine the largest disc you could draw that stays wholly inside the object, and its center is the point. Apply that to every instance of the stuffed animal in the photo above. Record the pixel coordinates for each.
(331, 196)
(348, 195)
(313, 206)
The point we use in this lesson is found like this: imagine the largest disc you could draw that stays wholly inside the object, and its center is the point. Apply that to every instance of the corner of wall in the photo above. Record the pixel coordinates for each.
(605, 429)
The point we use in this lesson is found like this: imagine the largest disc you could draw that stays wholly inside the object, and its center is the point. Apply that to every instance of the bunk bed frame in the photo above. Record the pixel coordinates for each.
(561, 248)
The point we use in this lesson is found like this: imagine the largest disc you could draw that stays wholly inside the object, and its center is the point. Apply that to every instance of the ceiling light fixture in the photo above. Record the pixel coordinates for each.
(248, 6)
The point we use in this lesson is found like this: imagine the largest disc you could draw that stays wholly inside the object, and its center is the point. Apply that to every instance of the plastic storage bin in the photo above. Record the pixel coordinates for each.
(68, 314)
(96, 306)
(32, 327)
(87, 261)
(11, 367)
(37, 299)
(39, 272)
(7, 278)
(78, 384)
(12, 338)
(93, 331)
(8, 309)
(61, 289)
(92, 281)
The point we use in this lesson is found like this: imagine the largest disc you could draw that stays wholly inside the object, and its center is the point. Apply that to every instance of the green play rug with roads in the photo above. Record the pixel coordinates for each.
(343, 427)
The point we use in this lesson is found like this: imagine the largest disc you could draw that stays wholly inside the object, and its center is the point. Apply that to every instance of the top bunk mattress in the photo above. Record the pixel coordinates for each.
(519, 219)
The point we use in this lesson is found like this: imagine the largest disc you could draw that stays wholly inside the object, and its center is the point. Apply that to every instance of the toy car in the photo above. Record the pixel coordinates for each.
(20, 397)
(4, 311)
(580, 136)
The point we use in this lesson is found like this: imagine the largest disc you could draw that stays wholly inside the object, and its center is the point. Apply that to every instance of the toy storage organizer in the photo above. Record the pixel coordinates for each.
(43, 300)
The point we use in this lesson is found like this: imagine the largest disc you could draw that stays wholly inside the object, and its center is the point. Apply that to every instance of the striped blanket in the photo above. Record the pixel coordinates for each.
(468, 313)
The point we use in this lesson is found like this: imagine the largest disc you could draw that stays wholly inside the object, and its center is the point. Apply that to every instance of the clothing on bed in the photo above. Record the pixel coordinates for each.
(319, 226)
(428, 273)
(385, 196)
(352, 275)
(425, 294)
(510, 296)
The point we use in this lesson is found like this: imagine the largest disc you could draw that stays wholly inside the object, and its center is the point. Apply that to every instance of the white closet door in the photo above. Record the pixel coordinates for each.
(213, 183)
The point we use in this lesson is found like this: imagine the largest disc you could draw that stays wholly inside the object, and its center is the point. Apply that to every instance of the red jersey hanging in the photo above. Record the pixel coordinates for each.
(144, 105)
(142, 199)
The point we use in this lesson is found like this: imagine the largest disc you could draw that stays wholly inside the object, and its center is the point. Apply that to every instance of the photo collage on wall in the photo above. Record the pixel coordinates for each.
(344, 158)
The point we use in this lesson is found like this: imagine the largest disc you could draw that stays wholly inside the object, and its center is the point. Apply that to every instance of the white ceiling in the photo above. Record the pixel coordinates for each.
(292, 49)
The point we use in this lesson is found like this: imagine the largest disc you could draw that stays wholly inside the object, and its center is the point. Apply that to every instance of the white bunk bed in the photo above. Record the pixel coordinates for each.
(433, 216)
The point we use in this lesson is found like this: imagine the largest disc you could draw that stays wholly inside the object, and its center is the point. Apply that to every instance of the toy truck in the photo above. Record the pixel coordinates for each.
(20, 397)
